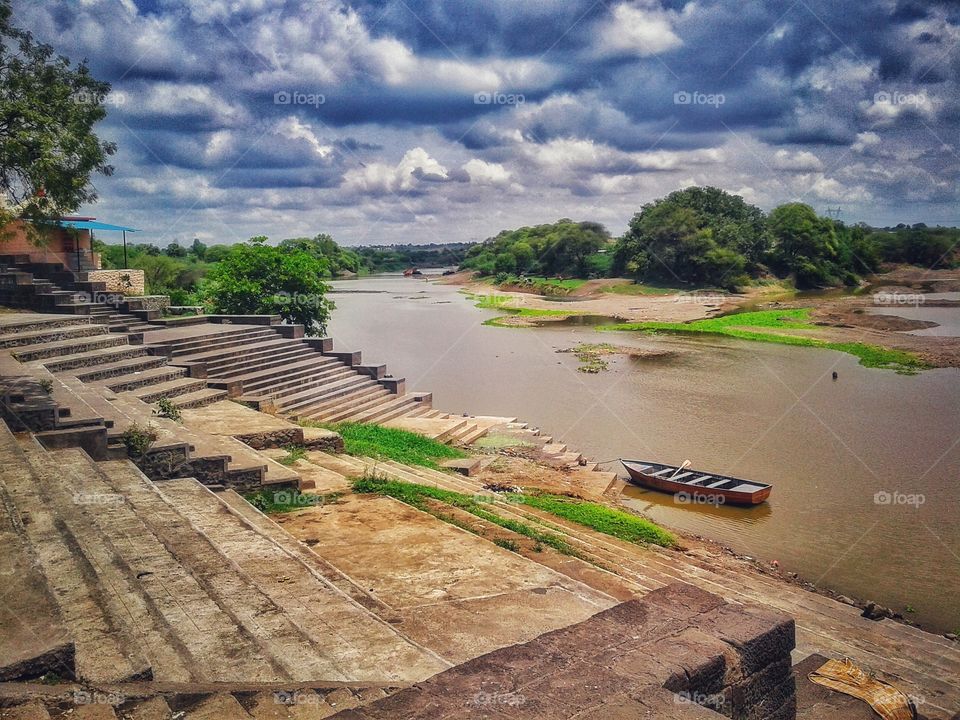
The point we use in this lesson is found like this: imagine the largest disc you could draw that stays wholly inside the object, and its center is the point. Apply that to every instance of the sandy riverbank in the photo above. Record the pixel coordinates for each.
(841, 318)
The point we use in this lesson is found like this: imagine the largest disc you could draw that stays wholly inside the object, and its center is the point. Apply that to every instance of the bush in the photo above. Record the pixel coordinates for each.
(138, 440)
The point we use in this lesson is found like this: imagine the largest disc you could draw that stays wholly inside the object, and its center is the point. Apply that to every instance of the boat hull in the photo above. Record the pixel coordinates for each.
(719, 496)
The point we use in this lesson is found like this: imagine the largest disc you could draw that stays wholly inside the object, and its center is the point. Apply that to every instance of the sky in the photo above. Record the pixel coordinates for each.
(418, 121)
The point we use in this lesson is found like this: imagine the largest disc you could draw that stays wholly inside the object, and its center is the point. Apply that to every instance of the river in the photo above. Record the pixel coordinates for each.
(865, 468)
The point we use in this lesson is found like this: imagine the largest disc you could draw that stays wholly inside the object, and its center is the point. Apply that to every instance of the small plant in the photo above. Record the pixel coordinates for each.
(294, 453)
(910, 609)
(508, 544)
(138, 440)
(166, 409)
(46, 384)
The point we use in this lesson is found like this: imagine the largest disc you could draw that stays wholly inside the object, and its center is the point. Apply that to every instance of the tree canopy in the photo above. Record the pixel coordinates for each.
(48, 108)
(561, 248)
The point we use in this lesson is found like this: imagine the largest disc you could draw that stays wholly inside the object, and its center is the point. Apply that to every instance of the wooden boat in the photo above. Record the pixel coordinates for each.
(697, 486)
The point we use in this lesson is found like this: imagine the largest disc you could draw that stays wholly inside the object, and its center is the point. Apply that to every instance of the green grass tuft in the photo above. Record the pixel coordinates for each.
(739, 326)
(281, 501)
(376, 441)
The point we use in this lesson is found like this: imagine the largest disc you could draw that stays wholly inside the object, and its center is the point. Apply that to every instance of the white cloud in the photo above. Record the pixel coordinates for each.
(486, 173)
(799, 161)
(294, 129)
(640, 29)
(381, 178)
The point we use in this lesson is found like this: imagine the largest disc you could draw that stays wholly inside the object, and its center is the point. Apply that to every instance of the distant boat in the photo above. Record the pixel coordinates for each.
(411, 272)
(696, 484)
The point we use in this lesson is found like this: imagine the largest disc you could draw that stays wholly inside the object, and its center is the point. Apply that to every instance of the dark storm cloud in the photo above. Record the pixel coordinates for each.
(456, 102)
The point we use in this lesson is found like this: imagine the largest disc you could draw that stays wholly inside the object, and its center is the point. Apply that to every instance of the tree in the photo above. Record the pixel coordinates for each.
(198, 249)
(159, 271)
(256, 278)
(700, 235)
(805, 245)
(48, 149)
(175, 250)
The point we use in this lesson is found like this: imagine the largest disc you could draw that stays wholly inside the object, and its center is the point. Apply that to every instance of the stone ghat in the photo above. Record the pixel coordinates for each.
(680, 652)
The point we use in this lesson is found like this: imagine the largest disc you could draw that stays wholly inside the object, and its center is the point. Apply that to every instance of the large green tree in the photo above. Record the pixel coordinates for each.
(48, 108)
(256, 278)
(808, 247)
(700, 235)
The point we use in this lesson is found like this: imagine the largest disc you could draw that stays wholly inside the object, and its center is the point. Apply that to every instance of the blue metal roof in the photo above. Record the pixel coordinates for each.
(93, 225)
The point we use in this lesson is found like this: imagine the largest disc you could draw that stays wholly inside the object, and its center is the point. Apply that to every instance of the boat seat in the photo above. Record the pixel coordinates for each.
(718, 483)
(658, 473)
(700, 480)
(681, 475)
(745, 487)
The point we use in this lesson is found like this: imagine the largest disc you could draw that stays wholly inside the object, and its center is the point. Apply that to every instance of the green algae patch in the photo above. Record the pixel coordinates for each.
(501, 303)
(377, 441)
(762, 326)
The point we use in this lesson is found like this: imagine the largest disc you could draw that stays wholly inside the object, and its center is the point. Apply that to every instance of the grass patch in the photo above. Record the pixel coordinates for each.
(376, 441)
(281, 501)
(507, 544)
(418, 495)
(501, 303)
(294, 453)
(601, 518)
(640, 289)
(739, 325)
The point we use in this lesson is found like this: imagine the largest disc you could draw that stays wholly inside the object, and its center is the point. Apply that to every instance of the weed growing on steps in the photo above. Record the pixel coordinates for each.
(166, 409)
(294, 453)
(138, 439)
(281, 501)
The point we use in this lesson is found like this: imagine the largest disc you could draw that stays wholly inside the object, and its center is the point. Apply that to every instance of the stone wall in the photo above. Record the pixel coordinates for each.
(679, 653)
(128, 282)
(148, 302)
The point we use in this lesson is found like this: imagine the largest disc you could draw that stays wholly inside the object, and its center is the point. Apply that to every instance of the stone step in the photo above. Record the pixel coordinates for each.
(54, 334)
(35, 642)
(95, 357)
(268, 528)
(306, 373)
(218, 706)
(41, 323)
(291, 404)
(30, 710)
(261, 377)
(341, 407)
(386, 411)
(78, 566)
(214, 604)
(124, 368)
(220, 341)
(73, 346)
(142, 378)
(251, 360)
(199, 398)
(329, 378)
(331, 636)
(170, 389)
(254, 348)
(478, 432)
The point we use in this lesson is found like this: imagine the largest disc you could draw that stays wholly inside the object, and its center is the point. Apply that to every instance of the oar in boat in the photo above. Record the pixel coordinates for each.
(684, 466)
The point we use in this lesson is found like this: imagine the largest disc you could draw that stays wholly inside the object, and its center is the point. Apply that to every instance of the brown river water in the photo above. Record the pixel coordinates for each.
(865, 469)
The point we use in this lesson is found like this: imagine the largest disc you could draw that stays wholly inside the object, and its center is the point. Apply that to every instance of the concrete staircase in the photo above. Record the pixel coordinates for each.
(921, 664)
(167, 582)
(300, 378)
(52, 288)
